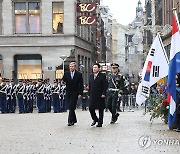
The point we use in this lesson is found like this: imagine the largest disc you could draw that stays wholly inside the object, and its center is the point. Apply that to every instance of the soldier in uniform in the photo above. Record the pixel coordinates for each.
(8, 95)
(63, 107)
(40, 96)
(13, 96)
(55, 96)
(115, 84)
(25, 96)
(33, 94)
(49, 95)
(85, 98)
(30, 97)
(20, 93)
(3, 92)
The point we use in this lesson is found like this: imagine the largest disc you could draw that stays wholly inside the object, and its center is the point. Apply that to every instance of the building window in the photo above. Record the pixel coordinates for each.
(34, 18)
(29, 69)
(58, 17)
(27, 17)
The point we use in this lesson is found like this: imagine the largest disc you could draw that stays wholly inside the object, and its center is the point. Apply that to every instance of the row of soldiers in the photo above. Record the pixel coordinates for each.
(26, 94)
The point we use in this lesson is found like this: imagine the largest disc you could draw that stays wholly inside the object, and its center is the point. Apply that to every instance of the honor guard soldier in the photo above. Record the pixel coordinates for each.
(28, 107)
(13, 96)
(40, 96)
(48, 98)
(25, 96)
(63, 107)
(3, 92)
(55, 97)
(8, 96)
(33, 94)
(115, 84)
(20, 93)
(30, 97)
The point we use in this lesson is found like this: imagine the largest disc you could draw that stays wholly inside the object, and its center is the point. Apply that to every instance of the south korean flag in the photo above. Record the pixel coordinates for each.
(155, 68)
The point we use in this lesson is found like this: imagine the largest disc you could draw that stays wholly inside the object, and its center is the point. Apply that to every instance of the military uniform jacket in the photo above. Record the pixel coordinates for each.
(177, 100)
(55, 90)
(115, 81)
(40, 91)
(3, 90)
(20, 91)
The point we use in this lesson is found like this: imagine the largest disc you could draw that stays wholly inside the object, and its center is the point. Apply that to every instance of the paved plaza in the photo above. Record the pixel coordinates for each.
(48, 133)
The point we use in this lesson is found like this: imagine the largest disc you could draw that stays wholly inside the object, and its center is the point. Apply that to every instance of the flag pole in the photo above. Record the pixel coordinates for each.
(164, 51)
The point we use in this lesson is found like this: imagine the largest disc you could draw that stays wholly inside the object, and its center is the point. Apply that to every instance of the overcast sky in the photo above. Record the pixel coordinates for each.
(123, 10)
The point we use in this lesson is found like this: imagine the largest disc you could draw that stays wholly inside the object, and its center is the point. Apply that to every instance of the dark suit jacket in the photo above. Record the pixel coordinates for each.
(74, 87)
(97, 88)
(75, 84)
(177, 100)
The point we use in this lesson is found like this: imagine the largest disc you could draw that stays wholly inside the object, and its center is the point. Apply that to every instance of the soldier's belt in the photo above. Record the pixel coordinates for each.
(55, 92)
(20, 92)
(112, 89)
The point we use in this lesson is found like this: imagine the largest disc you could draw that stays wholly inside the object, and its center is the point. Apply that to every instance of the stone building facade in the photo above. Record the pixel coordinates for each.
(34, 34)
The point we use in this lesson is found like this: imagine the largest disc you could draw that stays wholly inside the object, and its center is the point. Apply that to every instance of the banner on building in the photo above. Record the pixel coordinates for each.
(86, 20)
(86, 7)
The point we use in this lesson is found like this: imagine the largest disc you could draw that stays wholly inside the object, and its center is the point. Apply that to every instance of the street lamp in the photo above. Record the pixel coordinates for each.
(63, 57)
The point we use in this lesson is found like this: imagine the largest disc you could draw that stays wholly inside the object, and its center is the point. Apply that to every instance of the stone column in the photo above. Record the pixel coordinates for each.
(8, 66)
(7, 17)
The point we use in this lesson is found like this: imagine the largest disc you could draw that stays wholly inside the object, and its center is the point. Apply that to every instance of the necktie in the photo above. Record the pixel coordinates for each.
(95, 76)
(72, 75)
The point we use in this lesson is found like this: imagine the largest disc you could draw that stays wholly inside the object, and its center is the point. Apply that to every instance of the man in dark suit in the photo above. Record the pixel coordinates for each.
(97, 93)
(178, 102)
(74, 90)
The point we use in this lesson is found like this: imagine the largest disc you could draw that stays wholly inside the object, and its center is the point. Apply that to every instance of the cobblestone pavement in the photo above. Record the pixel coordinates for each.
(48, 133)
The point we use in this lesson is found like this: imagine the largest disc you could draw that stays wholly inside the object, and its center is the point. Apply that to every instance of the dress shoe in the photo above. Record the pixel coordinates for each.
(117, 115)
(93, 123)
(99, 125)
(112, 121)
(70, 124)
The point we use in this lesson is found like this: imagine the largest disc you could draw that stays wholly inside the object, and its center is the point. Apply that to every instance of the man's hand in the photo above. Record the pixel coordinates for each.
(63, 83)
(103, 96)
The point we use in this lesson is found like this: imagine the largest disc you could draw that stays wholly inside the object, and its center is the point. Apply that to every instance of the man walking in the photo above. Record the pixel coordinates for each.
(97, 92)
(74, 90)
(115, 84)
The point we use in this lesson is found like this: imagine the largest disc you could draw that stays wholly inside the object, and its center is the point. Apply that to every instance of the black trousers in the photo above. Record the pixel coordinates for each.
(94, 116)
(72, 116)
(112, 98)
(178, 120)
(72, 102)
